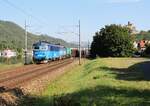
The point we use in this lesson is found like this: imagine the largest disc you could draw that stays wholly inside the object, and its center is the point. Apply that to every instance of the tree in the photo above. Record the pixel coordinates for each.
(113, 40)
(147, 51)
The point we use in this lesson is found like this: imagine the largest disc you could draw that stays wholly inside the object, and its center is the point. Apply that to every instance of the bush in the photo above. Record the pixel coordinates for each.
(146, 53)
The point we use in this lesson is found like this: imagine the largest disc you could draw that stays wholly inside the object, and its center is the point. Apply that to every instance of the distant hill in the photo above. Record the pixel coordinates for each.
(83, 44)
(12, 36)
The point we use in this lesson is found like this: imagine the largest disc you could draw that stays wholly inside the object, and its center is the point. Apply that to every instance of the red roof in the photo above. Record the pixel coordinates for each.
(142, 43)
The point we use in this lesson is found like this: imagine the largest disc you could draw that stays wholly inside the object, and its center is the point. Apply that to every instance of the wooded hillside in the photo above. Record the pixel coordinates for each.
(12, 36)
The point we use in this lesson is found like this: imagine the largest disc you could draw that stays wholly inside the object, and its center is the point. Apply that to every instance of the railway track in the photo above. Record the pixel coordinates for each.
(25, 69)
(19, 77)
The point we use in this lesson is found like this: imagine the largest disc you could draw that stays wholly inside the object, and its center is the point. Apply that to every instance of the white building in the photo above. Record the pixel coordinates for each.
(135, 45)
(8, 53)
(0, 53)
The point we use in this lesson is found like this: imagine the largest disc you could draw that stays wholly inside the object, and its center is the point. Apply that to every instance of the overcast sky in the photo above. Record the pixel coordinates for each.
(54, 16)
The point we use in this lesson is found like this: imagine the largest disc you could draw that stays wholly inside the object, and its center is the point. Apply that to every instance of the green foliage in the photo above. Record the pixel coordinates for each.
(13, 60)
(143, 35)
(113, 40)
(12, 36)
(146, 53)
(5, 67)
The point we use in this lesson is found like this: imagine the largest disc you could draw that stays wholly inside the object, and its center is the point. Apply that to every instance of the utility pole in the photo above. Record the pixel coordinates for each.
(26, 43)
(78, 34)
(79, 45)
(88, 47)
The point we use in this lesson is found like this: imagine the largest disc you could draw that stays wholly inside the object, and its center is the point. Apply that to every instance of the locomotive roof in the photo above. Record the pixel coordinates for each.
(47, 43)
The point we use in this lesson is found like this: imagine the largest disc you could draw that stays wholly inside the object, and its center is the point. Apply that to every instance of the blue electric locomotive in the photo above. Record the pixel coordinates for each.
(44, 51)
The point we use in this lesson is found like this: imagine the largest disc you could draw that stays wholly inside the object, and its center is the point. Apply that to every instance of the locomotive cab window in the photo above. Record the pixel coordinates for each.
(36, 47)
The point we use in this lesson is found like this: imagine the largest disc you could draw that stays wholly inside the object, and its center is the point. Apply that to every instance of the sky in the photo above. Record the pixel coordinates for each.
(59, 18)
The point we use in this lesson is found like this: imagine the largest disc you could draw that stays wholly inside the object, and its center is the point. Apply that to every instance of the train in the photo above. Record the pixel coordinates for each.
(44, 52)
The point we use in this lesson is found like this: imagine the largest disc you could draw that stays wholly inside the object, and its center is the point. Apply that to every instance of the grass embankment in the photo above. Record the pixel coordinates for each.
(10, 66)
(101, 82)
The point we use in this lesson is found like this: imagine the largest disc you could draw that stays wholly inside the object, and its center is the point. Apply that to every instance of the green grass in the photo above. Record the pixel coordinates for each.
(6, 66)
(100, 82)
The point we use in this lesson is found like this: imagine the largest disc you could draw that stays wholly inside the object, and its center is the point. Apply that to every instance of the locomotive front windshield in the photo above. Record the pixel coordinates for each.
(36, 47)
(40, 47)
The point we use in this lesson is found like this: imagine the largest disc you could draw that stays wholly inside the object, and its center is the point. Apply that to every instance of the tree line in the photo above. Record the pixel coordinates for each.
(116, 41)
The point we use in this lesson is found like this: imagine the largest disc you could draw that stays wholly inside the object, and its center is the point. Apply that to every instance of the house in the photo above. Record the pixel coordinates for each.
(0, 53)
(8, 53)
(142, 44)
